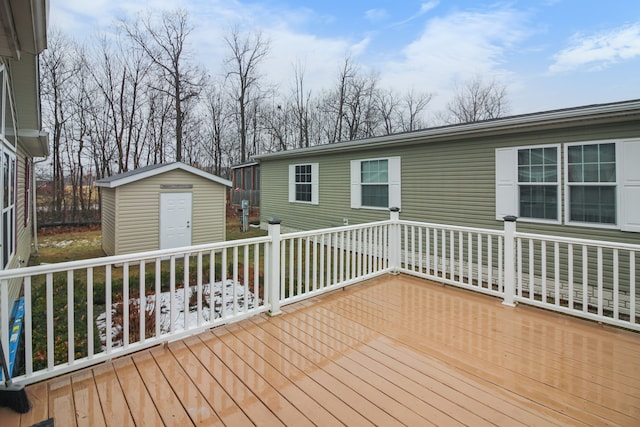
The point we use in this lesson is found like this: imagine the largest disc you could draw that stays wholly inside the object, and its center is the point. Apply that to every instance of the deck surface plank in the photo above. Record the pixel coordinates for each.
(395, 350)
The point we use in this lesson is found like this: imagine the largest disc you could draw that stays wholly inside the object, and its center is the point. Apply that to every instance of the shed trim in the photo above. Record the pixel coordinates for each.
(152, 170)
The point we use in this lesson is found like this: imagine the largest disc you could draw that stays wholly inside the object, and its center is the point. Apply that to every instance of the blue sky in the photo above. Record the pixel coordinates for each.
(550, 53)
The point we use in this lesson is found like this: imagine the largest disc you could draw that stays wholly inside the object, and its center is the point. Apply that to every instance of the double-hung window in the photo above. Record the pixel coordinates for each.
(375, 183)
(303, 183)
(538, 183)
(591, 183)
(601, 183)
(528, 183)
(8, 174)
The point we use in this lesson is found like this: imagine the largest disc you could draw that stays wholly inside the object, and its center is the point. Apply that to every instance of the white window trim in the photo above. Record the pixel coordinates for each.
(394, 183)
(619, 194)
(508, 186)
(315, 183)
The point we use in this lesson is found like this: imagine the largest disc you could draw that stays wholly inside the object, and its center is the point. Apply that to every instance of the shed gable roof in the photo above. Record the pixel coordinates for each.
(153, 170)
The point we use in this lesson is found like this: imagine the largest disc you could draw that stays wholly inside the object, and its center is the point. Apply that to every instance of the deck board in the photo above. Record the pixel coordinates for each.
(395, 350)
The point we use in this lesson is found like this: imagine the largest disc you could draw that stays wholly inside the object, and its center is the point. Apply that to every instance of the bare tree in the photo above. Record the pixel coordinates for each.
(164, 41)
(59, 67)
(414, 104)
(247, 52)
(301, 106)
(478, 100)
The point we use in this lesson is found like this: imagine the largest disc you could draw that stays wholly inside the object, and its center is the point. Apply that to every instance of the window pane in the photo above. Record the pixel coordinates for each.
(590, 153)
(374, 171)
(303, 192)
(595, 204)
(375, 195)
(575, 154)
(538, 165)
(608, 172)
(590, 172)
(537, 201)
(607, 152)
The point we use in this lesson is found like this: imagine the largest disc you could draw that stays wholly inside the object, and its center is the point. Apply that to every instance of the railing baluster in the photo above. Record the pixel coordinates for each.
(443, 255)
(172, 294)
(142, 303)
(460, 257)
(322, 249)
(223, 286)
(532, 283)
(600, 281)
(90, 323)
(501, 285)
(427, 239)
(315, 262)
(307, 269)
(570, 275)
(543, 266)
(299, 265)
(556, 281)
(28, 328)
(452, 263)
(199, 291)
(245, 262)
(157, 303)
(616, 285)
(335, 257)
(291, 271)
(125, 304)
(212, 282)
(470, 258)
(186, 292)
(108, 305)
(632, 287)
(489, 262)
(342, 256)
(50, 330)
(71, 340)
(585, 279)
(256, 275)
(234, 286)
(518, 264)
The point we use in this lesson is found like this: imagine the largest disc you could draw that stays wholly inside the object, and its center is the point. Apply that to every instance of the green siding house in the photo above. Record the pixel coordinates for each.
(571, 172)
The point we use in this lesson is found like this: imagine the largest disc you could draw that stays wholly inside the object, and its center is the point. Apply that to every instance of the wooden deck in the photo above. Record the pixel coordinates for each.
(393, 351)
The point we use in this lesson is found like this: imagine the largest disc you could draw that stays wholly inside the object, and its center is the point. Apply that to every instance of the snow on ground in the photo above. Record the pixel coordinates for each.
(165, 314)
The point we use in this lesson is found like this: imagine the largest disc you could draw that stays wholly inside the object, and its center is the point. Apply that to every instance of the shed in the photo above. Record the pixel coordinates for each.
(160, 207)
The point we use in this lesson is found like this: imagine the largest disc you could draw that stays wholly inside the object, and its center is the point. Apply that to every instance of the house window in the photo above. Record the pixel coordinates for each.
(375, 183)
(303, 183)
(592, 183)
(538, 184)
(601, 184)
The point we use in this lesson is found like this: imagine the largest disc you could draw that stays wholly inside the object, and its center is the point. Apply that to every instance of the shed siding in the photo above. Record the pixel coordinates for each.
(138, 211)
(449, 182)
(108, 199)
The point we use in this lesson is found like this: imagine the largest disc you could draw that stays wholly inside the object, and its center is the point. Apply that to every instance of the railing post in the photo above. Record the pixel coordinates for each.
(509, 260)
(274, 267)
(394, 241)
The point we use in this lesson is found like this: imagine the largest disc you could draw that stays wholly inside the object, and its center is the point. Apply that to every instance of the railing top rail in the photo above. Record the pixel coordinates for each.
(298, 234)
(577, 241)
(454, 227)
(126, 258)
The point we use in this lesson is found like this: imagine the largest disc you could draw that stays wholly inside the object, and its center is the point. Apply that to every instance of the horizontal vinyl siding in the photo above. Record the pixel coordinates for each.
(23, 234)
(449, 182)
(108, 213)
(138, 220)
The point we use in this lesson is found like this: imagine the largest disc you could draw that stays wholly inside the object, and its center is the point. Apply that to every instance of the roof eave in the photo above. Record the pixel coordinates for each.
(544, 120)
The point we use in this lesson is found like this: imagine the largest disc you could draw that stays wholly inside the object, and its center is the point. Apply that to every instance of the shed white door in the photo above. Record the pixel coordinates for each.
(175, 220)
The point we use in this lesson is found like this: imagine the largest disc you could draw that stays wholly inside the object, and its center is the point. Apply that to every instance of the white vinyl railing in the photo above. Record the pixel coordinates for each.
(84, 312)
(469, 258)
(315, 262)
(587, 278)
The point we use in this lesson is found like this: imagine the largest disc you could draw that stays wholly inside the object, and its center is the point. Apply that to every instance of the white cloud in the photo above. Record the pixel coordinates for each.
(375, 15)
(599, 50)
(455, 48)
